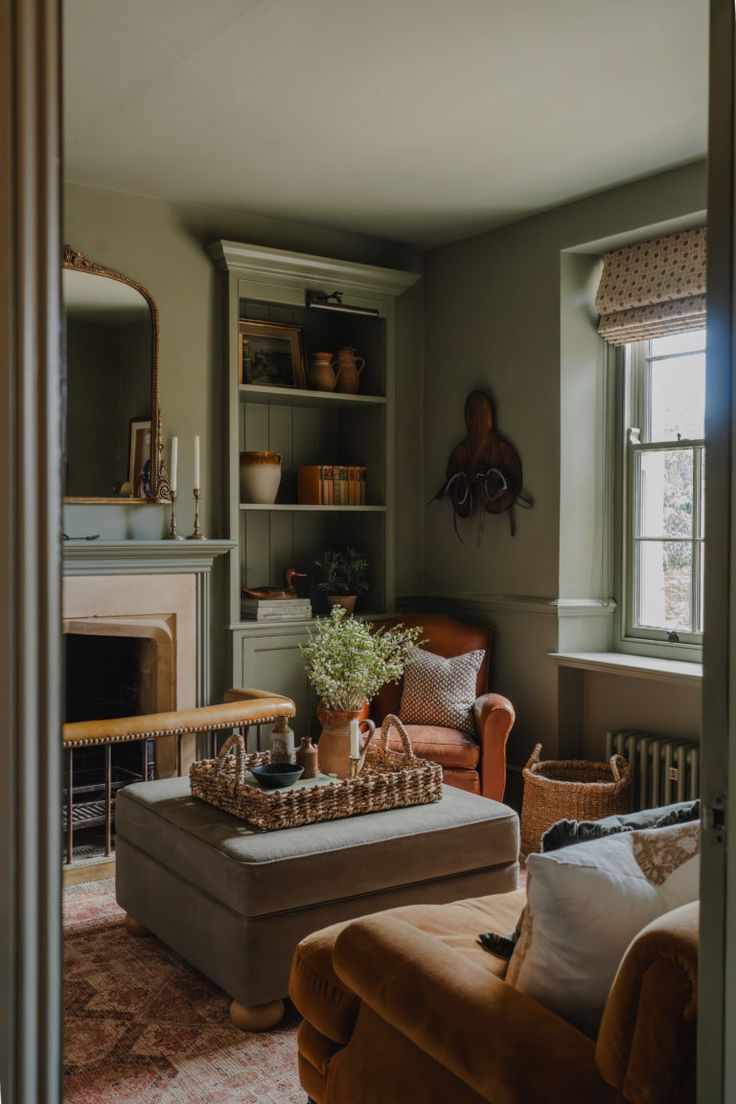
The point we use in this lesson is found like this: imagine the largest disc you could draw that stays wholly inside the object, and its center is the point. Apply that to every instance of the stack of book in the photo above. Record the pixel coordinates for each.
(332, 485)
(276, 609)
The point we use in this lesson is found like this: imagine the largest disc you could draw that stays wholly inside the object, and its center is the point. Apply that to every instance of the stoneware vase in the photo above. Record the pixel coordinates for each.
(347, 601)
(321, 375)
(349, 366)
(260, 476)
(334, 743)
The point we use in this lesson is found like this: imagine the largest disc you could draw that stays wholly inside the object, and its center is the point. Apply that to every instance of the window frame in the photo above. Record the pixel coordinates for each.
(630, 364)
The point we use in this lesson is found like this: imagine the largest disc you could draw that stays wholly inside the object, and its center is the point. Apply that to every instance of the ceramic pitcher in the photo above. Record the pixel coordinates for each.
(334, 743)
(349, 366)
(322, 375)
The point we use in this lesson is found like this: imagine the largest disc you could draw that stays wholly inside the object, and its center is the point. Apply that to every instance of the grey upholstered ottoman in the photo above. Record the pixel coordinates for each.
(235, 902)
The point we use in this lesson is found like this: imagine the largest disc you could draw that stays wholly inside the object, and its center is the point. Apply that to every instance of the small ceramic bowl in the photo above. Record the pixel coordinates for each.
(277, 776)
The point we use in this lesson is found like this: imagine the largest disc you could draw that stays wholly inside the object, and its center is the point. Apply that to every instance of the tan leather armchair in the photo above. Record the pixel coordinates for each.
(476, 763)
(406, 1006)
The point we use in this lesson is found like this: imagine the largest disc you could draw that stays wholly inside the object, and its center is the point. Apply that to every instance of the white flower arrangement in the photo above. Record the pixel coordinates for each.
(348, 663)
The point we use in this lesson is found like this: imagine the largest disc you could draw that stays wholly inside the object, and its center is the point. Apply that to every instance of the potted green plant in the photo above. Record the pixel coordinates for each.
(345, 576)
(348, 661)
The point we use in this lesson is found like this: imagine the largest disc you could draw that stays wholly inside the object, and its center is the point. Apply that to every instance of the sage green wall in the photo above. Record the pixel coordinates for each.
(494, 321)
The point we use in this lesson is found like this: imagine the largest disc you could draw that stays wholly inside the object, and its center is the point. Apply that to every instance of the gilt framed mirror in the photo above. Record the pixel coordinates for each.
(114, 447)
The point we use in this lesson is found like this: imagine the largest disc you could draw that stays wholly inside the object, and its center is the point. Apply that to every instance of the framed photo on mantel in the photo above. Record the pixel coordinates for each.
(271, 354)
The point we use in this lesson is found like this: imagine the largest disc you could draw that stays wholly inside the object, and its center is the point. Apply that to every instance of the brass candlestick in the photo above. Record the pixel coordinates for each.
(197, 533)
(354, 767)
(173, 535)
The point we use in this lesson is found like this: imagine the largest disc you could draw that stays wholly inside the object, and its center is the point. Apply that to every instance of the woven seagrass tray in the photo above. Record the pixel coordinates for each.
(570, 789)
(389, 780)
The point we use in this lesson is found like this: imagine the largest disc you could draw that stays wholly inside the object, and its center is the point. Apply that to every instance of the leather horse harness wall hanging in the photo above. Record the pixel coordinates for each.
(483, 470)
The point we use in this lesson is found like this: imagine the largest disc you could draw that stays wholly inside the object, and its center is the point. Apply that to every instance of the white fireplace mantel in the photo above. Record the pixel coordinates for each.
(162, 557)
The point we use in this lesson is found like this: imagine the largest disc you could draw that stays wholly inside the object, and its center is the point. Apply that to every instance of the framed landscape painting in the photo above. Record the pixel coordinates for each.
(271, 354)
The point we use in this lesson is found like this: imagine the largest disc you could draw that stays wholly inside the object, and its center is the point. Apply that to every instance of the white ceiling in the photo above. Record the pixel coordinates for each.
(416, 120)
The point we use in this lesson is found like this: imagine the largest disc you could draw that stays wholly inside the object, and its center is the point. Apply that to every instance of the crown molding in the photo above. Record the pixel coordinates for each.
(305, 268)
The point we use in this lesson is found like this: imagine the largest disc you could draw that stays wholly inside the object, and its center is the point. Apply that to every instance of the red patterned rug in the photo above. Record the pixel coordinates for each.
(142, 1026)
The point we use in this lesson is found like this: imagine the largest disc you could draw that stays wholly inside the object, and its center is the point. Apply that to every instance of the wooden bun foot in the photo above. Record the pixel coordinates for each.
(256, 1017)
(133, 927)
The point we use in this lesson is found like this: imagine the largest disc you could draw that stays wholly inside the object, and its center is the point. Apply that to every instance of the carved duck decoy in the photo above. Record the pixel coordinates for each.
(276, 593)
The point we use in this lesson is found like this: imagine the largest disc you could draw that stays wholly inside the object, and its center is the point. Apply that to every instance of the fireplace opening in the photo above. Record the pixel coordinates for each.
(107, 676)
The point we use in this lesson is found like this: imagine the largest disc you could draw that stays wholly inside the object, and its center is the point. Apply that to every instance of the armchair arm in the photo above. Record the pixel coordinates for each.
(646, 1043)
(240, 693)
(494, 718)
(501, 1043)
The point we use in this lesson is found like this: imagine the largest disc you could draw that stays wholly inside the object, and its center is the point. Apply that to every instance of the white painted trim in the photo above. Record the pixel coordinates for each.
(260, 260)
(617, 663)
(511, 603)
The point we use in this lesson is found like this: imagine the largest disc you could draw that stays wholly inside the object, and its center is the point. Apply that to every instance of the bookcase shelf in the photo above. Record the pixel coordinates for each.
(295, 396)
(295, 623)
(307, 428)
(296, 507)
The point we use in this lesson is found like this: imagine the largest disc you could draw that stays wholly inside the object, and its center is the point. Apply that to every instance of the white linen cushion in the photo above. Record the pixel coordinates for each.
(440, 691)
(587, 903)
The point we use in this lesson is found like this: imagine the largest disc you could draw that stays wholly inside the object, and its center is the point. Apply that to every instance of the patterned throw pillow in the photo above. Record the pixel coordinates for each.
(441, 691)
(585, 905)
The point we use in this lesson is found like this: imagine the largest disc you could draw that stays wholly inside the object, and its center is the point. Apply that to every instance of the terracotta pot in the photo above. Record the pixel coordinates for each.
(347, 601)
(260, 476)
(348, 368)
(334, 743)
(321, 376)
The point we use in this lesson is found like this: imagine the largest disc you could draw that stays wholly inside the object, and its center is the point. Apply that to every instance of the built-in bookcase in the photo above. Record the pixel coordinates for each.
(307, 427)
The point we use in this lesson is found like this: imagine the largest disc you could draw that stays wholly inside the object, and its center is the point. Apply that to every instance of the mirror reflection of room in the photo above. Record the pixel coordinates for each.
(108, 388)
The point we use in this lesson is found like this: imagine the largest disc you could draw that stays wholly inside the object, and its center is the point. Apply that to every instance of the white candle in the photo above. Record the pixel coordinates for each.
(197, 484)
(354, 739)
(174, 462)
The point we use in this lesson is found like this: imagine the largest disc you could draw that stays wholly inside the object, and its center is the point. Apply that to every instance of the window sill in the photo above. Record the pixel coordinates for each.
(635, 666)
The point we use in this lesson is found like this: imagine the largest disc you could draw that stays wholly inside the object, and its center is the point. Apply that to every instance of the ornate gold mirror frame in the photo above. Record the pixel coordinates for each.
(160, 484)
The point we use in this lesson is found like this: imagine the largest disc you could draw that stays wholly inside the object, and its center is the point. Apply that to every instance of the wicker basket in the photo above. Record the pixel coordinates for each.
(570, 789)
(389, 780)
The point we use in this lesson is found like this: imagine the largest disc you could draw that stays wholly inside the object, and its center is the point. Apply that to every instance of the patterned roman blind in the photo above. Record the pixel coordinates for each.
(654, 288)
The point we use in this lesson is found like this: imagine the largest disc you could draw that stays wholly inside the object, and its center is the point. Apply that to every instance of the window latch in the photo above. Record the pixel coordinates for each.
(673, 638)
(634, 435)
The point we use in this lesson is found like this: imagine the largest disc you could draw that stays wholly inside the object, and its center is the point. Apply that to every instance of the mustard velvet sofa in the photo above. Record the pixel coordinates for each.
(405, 1007)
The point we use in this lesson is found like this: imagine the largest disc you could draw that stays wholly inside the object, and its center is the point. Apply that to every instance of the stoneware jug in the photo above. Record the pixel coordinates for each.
(334, 743)
(260, 476)
(349, 366)
(321, 372)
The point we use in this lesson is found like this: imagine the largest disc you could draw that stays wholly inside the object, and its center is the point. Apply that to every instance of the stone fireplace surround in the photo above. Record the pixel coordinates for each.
(158, 590)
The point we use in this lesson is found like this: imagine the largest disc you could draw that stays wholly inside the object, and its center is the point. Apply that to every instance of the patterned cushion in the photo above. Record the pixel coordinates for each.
(441, 691)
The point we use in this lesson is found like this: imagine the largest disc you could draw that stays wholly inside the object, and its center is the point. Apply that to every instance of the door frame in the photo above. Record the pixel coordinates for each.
(717, 954)
(30, 553)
